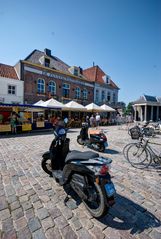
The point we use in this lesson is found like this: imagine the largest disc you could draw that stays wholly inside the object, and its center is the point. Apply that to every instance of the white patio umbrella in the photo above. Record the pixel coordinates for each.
(39, 103)
(107, 108)
(94, 108)
(74, 106)
(52, 103)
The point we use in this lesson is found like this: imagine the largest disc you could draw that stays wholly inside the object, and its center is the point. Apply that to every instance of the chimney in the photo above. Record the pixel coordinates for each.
(80, 70)
(93, 64)
(47, 52)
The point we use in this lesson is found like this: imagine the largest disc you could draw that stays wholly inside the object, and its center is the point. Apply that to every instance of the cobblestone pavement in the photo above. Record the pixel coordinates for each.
(32, 204)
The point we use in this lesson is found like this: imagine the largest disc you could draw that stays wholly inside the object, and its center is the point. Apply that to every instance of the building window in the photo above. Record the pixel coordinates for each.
(103, 96)
(52, 87)
(41, 86)
(66, 89)
(77, 93)
(85, 94)
(108, 96)
(114, 97)
(47, 62)
(97, 96)
(11, 89)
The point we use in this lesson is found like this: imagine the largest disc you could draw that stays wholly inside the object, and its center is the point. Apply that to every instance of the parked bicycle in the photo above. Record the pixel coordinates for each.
(141, 154)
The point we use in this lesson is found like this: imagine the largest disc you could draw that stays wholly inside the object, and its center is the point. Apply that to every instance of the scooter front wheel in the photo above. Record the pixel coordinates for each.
(97, 207)
(79, 140)
(46, 165)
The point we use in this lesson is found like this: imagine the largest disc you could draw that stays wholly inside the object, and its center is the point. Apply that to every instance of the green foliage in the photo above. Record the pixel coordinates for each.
(129, 109)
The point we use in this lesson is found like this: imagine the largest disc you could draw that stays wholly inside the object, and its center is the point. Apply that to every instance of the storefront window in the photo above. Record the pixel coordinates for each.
(41, 86)
(66, 90)
(77, 93)
(52, 87)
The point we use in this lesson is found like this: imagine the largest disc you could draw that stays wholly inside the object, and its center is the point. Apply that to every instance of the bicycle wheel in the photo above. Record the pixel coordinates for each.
(124, 151)
(138, 156)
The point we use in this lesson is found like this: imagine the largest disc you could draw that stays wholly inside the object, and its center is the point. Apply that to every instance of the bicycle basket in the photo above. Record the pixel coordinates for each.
(135, 132)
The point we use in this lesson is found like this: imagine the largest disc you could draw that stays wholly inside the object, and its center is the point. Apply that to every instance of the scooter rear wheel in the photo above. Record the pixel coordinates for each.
(46, 166)
(101, 147)
(98, 207)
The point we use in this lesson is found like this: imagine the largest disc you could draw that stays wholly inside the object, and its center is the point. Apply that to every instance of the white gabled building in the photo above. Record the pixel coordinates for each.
(11, 87)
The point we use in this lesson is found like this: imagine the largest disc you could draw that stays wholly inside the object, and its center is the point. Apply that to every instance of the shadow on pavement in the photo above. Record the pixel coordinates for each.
(128, 215)
(111, 151)
(124, 215)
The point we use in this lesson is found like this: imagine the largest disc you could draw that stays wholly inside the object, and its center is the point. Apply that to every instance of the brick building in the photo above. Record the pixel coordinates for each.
(105, 90)
(47, 76)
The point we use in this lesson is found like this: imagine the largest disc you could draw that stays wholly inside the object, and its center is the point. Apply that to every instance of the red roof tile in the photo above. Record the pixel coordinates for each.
(8, 72)
(95, 74)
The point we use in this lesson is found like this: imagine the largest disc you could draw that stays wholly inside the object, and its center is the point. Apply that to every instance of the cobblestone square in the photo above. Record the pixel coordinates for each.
(32, 203)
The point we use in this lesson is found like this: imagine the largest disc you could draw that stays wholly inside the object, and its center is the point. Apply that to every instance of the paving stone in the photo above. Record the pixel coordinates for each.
(53, 233)
(20, 223)
(68, 233)
(3, 203)
(17, 213)
(9, 235)
(4, 214)
(97, 233)
(42, 213)
(34, 224)
(7, 225)
(47, 223)
(39, 234)
(83, 233)
(60, 222)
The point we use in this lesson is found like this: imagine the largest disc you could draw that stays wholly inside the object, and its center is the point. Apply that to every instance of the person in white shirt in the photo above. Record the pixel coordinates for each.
(98, 119)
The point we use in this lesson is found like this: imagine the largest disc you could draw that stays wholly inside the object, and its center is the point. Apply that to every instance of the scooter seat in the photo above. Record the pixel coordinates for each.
(80, 156)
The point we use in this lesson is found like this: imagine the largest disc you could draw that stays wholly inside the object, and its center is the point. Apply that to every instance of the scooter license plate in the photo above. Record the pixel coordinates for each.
(105, 144)
(110, 189)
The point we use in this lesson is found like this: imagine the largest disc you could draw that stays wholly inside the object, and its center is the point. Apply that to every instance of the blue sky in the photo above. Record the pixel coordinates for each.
(123, 37)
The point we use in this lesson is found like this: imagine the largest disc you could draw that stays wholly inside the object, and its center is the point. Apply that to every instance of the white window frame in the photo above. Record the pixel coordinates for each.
(52, 86)
(10, 85)
(77, 93)
(41, 84)
(66, 87)
(85, 94)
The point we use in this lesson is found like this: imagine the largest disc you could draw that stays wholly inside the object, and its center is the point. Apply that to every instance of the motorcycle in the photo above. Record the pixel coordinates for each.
(84, 172)
(96, 140)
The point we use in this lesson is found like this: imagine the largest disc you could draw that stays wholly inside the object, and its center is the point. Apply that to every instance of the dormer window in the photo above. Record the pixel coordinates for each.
(74, 70)
(47, 62)
(106, 79)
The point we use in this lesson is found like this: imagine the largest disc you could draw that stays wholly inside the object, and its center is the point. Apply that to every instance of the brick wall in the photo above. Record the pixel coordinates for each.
(30, 88)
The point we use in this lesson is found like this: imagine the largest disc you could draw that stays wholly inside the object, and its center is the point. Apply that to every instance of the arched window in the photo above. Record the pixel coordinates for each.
(40, 86)
(52, 87)
(85, 94)
(77, 93)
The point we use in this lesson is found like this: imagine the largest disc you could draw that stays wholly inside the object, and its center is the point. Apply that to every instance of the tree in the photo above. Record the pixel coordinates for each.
(129, 109)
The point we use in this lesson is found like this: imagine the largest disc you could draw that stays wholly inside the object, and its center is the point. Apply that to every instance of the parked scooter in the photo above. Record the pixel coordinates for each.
(96, 140)
(85, 172)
